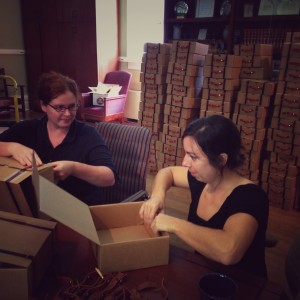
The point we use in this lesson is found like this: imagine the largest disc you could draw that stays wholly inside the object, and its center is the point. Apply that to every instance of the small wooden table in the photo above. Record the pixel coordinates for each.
(181, 276)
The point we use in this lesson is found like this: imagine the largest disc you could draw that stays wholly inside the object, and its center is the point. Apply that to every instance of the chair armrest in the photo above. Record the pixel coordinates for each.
(138, 196)
(115, 97)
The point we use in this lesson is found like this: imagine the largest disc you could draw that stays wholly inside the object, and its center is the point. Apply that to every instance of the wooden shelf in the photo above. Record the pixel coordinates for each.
(238, 26)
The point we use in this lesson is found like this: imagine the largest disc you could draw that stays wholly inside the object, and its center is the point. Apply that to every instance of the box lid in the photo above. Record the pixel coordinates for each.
(63, 207)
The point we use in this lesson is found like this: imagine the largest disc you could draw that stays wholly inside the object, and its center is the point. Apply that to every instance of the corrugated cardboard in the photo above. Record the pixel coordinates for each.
(17, 194)
(26, 252)
(102, 91)
(123, 242)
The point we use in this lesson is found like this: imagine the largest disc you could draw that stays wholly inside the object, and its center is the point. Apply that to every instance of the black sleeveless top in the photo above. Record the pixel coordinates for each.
(248, 198)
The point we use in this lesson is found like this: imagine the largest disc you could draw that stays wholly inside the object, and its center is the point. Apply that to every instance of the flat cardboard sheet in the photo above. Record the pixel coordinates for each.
(65, 208)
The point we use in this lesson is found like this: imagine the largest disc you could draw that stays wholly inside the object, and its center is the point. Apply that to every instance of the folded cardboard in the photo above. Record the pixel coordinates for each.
(102, 91)
(26, 251)
(122, 241)
(17, 194)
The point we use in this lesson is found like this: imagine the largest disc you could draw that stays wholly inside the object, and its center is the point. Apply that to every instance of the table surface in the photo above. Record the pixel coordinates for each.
(74, 258)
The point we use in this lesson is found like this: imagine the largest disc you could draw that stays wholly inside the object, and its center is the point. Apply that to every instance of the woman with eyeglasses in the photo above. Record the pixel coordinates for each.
(79, 156)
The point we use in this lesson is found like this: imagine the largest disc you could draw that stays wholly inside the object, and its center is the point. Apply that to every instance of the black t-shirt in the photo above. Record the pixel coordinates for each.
(248, 198)
(82, 144)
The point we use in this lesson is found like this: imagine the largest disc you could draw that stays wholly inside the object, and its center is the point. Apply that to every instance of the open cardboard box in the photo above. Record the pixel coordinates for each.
(16, 190)
(121, 240)
(102, 91)
(26, 252)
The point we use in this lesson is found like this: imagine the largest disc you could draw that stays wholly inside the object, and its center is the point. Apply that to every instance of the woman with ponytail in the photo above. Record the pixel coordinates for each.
(228, 214)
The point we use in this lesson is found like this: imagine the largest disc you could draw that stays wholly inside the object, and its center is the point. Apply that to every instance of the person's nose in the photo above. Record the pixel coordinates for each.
(186, 161)
(67, 111)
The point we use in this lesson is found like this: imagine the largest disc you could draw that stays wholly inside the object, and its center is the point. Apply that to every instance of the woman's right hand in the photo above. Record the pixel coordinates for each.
(150, 209)
(23, 154)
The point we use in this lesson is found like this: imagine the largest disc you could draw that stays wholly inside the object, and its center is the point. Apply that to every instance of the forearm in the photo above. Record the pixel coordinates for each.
(168, 177)
(212, 243)
(162, 182)
(96, 175)
(227, 245)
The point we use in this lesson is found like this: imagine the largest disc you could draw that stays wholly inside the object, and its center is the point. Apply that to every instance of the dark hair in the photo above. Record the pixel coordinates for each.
(53, 84)
(215, 135)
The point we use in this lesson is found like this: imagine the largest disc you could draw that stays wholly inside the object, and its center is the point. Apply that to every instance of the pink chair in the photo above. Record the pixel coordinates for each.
(112, 108)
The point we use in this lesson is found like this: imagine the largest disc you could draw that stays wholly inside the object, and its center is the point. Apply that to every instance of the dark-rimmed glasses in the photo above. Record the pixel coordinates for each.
(63, 108)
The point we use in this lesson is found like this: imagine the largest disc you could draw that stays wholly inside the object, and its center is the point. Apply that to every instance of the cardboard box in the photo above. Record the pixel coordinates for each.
(256, 49)
(189, 47)
(288, 87)
(207, 113)
(292, 114)
(222, 60)
(256, 73)
(154, 68)
(184, 102)
(159, 89)
(220, 95)
(252, 133)
(164, 48)
(151, 78)
(249, 121)
(292, 37)
(189, 92)
(253, 99)
(257, 61)
(292, 75)
(26, 251)
(288, 100)
(122, 241)
(261, 87)
(187, 58)
(221, 84)
(251, 110)
(102, 91)
(221, 72)
(215, 105)
(156, 58)
(17, 194)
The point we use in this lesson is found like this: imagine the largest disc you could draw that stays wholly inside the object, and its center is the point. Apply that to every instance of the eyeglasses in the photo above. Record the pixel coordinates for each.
(63, 108)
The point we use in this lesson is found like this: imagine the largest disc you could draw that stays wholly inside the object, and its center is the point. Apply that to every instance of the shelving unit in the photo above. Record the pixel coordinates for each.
(255, 29)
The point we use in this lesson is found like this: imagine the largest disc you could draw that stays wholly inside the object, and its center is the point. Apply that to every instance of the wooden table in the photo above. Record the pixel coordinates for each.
(181, 276)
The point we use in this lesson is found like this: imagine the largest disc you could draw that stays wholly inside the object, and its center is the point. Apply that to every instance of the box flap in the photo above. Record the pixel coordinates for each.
(63, 207)
(7, 161)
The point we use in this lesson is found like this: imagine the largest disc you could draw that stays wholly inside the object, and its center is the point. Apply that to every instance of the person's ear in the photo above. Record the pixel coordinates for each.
(223, 157)
(43, 106)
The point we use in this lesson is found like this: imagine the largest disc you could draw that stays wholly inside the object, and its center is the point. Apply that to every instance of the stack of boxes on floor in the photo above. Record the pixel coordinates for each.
(184, 83)
(153, 97)
(252, 108)
(221, 82)
(280, 172)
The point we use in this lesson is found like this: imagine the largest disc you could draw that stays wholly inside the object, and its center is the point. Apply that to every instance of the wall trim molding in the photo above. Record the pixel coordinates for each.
(12, 51)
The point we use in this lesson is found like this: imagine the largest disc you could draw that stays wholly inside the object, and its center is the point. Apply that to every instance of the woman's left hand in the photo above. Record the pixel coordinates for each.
(163, 222)
(62, 169)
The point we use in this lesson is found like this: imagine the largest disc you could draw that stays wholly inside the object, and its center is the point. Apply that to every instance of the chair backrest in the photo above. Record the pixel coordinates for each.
(292, 268)
(119, 77)
(130, 149)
